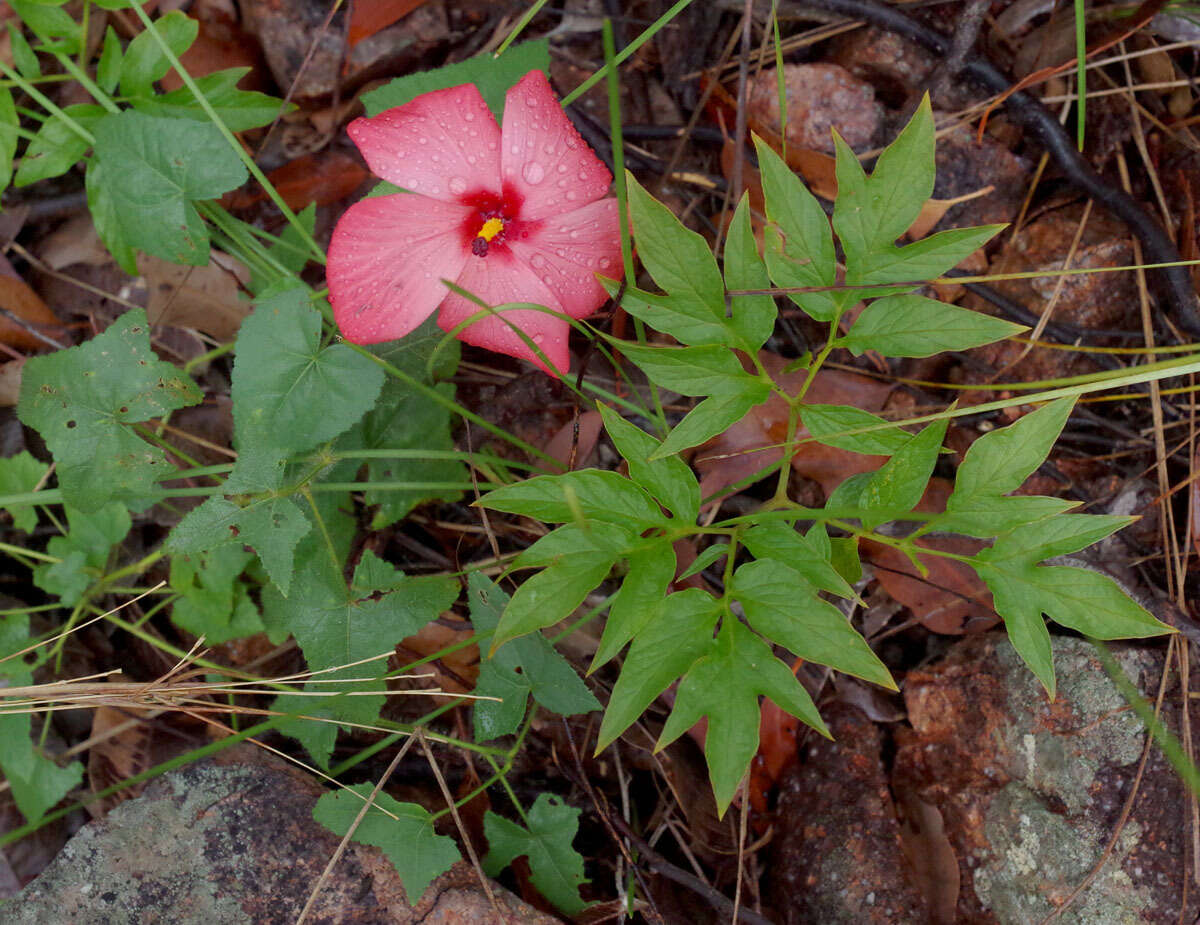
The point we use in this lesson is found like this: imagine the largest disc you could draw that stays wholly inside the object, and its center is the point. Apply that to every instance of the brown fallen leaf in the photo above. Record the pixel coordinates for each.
(16, 297)
(370, 16)
(205, 298)
(323, 177)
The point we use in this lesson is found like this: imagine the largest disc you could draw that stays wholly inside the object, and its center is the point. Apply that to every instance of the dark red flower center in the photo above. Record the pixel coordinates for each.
(492, 220)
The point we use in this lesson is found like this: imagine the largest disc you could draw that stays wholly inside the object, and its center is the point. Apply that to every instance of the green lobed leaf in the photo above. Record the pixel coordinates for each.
(914, 326)
(493, 76)
(338, 626)
(289, 393)
(783, 606)
(1056, 536)
(108, 70)
(553, 594)
(849, 493)
(986, 516)
(872, 212)
(797, 242)
(83, 552)
(898, 485)
(651, 570)
(926, 259)
(82, 401)
(144, 60)
(153, 169)
(1001, 461)
(20, 474)
(809, 555)
(57, 147)
(669, 478)
(753, 316)
(592, 493)
(687, 321)
(48, 22)
(529, 665)
(679, 632)
(570, 540)
(1083, 600)
(238, 109)
(724, 686)
(9, 122)
(402, 831)
(105, 218)
(707, 370)
(680, 262)
(712, 416)
(828, 425)
(212, 602)
(23, 56)
(556, 868)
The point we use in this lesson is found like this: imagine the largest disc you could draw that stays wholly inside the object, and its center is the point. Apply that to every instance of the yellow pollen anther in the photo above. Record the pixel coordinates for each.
(491, 228)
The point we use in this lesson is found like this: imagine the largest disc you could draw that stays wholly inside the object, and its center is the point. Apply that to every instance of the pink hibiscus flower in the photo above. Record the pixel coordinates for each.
(509, 215)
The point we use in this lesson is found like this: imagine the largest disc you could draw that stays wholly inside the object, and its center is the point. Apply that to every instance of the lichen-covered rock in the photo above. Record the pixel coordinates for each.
(838, 858)
(232, 840)
(1030, 790)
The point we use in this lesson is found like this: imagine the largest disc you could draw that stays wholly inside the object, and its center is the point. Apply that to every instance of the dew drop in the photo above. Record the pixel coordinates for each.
(468, 116)
(603, 262)
(533, 172)
(562, 168)
(422, 140)
(530, 102)
(491, 146)
(560, 251)
(548, 148)
(571, 195)
(538, 338)
(562, 184)
(458, 185)
(515, 149)
(537, 260)
(573, 234)
(583, 175)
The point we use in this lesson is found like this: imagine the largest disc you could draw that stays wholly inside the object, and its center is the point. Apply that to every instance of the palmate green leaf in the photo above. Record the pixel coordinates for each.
(590, 493)
(783, 606)
(828, 425)
(37, 782)
(153, 168)
(402, 831)
(9, 122)
(724, 686)
(897, 487)
(83, 552)
(20, 474)
(144, 61)
(556, 868)
(108, 70)
(1083, 600)
(914, 326)
(680, 262)
(289, 393)
(809, 555)
(797, 242)
(273, 525)
(337, 626)
(708, 370)
(571, 540)
(669, 479)
(680, 631)
(525, 666)
(687, 321)
(651, 570)
(212, 602)
(82, 401)
(238, 109)
(493, 76)
(105, 218)
(57, 147)
(753, 316)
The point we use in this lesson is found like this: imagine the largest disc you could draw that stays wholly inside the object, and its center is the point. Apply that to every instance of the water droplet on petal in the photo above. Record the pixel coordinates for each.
(603, 262)
(562, 168)
(530, 101)
(468, 116)
(537, 260)
(574, 234)
(457, 185)
(491, 146)
(583, 175)
(471, 159)
(560, 251)
(571, 195)
(533, 172)
(422, 140)
(515, 149)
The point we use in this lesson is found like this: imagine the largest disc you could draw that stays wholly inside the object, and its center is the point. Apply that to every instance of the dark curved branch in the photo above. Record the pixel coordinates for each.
(1175, 283)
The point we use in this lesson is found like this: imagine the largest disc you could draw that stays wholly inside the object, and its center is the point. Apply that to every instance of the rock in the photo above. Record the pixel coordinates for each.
(1030, 790)
(838, 857)
(232, 840)
(819, 97)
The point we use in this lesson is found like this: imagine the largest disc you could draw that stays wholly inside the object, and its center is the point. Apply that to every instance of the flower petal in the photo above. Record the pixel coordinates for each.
(443, 144)
(566, 251)
(499, 278)
(387, 260)
(542, 156)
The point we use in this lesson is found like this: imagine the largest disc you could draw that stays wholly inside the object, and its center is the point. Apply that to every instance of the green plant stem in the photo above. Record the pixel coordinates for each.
(87, 83)
(526, 17)
(45, 102)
